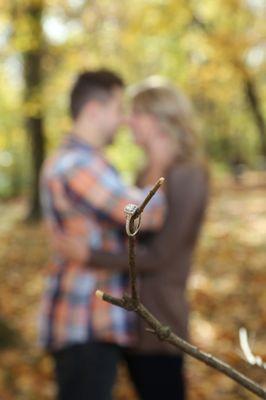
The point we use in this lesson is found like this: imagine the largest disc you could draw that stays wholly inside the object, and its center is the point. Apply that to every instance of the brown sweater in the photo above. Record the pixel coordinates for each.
(164, 263)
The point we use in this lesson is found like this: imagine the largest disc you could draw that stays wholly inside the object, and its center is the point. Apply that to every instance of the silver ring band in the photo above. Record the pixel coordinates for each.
(137, 227)
(129, 211)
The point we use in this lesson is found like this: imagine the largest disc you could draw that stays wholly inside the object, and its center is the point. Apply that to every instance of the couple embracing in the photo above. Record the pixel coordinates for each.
(83, 199)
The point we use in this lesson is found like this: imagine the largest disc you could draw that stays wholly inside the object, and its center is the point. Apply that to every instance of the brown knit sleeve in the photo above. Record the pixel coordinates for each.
(187, 190)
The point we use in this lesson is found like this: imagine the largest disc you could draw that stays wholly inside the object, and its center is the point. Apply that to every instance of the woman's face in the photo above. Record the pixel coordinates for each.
(143, 126)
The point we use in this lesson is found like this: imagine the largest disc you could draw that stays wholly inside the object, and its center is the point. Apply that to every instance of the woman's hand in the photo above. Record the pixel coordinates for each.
(72, 248)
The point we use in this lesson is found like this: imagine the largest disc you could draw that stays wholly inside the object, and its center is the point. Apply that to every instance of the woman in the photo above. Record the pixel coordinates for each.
(162, 124)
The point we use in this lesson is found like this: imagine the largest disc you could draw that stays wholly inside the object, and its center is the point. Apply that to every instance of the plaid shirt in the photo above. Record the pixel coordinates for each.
(83, 195)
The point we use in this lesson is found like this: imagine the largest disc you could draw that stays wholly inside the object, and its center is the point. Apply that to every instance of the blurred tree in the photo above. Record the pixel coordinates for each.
(256, 108)
(233, 32)
(33, 56)
(27, 39)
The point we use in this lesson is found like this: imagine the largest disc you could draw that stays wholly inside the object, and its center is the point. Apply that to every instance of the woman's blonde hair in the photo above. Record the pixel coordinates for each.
(158, 97)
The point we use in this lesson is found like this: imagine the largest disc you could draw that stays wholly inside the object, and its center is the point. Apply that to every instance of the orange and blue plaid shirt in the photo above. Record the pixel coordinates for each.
(84, 196)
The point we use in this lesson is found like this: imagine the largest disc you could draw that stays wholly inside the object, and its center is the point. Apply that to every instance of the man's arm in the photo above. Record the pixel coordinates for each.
(187, 191)
(95, 186)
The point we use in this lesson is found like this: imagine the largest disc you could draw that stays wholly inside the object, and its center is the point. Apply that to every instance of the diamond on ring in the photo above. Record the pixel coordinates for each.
(130, 209)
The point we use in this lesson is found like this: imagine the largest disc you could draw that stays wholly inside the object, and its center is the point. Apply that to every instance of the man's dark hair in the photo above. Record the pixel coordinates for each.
(93, 85)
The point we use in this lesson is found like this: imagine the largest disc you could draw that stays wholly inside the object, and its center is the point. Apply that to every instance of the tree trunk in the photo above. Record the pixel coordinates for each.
(33, 104)
(254, 103)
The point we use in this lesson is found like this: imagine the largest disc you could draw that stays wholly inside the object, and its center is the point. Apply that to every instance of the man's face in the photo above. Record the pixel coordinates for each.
(111, 115)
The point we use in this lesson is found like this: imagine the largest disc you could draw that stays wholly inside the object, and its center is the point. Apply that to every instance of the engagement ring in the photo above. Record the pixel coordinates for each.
(129, 210)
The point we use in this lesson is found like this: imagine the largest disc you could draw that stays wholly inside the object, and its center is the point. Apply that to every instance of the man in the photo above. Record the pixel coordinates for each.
(83, 195)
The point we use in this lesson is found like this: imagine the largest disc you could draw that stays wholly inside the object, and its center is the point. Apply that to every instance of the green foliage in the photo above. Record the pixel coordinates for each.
(126, 156)
(208, 48)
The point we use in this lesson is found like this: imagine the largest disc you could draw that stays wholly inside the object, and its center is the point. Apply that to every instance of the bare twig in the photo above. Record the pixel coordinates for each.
(245, 347)
(132, 240)
(148, 198)
(164, 332)
(132, 268)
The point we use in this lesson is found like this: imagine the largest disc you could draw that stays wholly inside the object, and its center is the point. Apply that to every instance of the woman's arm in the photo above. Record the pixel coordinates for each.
(187, 198)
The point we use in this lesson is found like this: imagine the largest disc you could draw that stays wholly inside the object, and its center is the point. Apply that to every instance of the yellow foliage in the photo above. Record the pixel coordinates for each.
(206, 47)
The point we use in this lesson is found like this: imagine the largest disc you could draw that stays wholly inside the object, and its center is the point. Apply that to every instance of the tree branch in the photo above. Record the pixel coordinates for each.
(164, 333)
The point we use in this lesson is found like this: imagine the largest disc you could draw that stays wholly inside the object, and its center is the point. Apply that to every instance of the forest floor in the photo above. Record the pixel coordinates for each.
(226, 291)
